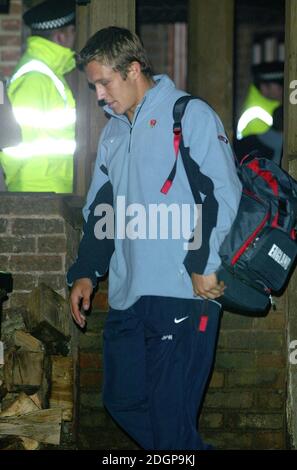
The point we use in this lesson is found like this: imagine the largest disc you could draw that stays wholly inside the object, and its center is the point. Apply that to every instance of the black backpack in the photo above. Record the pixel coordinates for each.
(259, 253)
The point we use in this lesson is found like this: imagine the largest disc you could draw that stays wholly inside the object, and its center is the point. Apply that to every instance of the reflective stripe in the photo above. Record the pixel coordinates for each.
(255, 112)
(1, 92)
(55, 119)
(38, 66)
(42, 147)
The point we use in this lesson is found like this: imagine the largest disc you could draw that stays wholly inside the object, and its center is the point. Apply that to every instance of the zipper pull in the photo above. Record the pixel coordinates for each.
(273, 304)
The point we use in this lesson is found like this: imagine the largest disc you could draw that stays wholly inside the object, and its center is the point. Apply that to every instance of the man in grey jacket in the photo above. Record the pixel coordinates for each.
(161, 331)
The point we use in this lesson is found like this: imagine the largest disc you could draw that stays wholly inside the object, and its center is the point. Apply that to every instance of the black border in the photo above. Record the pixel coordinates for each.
(4, 6)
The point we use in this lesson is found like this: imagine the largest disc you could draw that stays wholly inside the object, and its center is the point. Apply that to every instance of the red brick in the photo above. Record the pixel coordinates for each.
(276, 361)
(4, 262)
(92, 379)
(23, 282)
(30, 263)
(51, 244)
(11, 24)
(103, 286)
(100, 301)
(17, 245)
(10, 56)
(16, 8)
(10, 40)
(274, 321)
(35, 226)
(269, 440)
(270, 400)
(90, 360)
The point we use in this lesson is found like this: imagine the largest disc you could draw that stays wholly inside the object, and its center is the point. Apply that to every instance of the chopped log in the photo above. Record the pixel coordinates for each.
(36, 400)
(44, 389)
(1, 354)
(42, 425)
(30, 444)
(22, 405)
(27, 341)
(12, 320)
(8, 399)
(61, 395)
(47, 316)
(23, 370)
(3, 389)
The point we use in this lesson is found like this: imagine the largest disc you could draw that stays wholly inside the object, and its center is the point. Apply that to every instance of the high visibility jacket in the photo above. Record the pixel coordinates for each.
(44, 107)
(256, 116)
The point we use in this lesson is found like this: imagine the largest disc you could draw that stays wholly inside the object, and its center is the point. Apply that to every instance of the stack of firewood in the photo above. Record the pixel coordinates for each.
(36, 379)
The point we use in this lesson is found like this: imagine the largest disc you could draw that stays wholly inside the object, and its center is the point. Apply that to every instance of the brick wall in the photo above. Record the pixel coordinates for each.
(37, 241)
(246, 402)
(10, 38)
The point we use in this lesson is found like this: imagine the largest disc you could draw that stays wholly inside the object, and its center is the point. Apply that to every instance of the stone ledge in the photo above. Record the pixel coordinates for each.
(42, 204)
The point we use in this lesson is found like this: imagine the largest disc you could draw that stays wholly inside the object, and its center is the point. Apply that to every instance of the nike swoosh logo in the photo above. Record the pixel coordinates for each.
(178, 320)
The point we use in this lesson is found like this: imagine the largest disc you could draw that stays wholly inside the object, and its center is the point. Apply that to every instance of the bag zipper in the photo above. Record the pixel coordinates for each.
(251, 238)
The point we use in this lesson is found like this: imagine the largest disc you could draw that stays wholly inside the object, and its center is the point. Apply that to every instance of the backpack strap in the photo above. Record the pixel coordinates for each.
(194, 261)
(178, 112)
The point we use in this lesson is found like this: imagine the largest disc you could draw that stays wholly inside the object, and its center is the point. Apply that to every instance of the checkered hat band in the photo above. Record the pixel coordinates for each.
(272, 75)
(53, 24)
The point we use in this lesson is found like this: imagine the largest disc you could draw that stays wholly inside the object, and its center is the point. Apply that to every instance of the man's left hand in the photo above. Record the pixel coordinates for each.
(208, 286)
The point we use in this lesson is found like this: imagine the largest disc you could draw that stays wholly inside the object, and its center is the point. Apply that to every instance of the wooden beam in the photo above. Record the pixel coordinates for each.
(211, 30)
(90, 119)
(290, 104)
(290, 163)
(47, 316)
(61, 392)
(27, 342)
(42, 426)
(23, 370)
(22, 405)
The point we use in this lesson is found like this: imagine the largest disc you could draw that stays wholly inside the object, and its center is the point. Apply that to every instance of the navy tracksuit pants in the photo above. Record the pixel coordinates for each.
(157, 359)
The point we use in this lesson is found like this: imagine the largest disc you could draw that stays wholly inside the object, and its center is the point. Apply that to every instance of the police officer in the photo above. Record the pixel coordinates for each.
(10, 132)
(43, 103)
(264, 96)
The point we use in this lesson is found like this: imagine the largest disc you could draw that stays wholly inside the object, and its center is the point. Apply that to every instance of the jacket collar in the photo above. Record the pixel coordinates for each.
(60, 59)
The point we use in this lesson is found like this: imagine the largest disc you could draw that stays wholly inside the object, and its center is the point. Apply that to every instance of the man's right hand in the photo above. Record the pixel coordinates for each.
(80, 299)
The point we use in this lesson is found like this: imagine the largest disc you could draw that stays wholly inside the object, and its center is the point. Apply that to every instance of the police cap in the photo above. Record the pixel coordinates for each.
(268, 72)
(51, 14)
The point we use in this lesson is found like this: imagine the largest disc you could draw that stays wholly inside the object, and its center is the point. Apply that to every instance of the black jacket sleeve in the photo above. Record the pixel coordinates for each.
(93, 254)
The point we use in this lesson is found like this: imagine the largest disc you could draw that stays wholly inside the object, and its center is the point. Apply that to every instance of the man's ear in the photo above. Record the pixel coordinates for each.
(58, 37)
(134, 70)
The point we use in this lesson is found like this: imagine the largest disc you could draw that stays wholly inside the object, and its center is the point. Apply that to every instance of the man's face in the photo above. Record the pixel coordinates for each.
(119, 94)
(272, 91)
(66, 36)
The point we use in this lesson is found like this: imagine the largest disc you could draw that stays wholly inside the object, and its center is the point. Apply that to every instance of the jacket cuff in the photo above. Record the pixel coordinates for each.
(78, 272)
